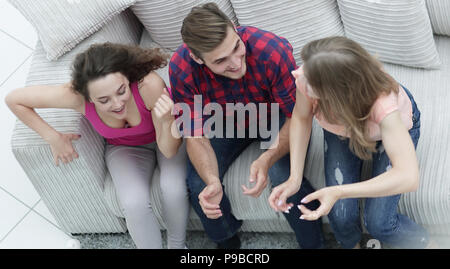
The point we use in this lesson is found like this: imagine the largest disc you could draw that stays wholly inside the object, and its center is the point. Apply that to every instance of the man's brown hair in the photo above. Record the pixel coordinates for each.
(205, 28)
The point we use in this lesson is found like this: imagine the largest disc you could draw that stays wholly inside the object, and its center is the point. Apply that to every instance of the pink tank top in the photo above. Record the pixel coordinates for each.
(142, 134)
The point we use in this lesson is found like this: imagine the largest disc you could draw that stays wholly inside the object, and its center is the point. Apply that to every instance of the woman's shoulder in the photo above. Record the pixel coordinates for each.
(77, 101)
(385, 104)
(150, 88)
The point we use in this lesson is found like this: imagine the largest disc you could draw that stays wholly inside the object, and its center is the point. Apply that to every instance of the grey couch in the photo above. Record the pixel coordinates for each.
(81, 195)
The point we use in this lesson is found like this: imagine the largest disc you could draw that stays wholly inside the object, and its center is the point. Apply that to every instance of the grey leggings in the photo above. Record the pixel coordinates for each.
(131, 169)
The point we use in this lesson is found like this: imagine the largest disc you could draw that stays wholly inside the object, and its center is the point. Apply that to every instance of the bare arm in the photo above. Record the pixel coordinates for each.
(156, 98)
(299, 134)
(204, 159)
(272, 155)
(402, 177)
(23, 101)
(259, 169)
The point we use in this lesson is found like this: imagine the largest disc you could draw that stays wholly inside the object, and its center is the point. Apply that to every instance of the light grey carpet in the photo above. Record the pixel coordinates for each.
(199, 240)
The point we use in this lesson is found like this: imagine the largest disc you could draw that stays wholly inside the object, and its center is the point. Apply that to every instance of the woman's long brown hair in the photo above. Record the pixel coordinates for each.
(100, 60)
(347, 80)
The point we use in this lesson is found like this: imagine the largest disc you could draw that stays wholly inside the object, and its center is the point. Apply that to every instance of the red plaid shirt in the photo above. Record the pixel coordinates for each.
(268, 78)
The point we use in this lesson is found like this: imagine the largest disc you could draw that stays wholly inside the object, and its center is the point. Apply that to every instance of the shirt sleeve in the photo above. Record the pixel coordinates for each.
(188, 102)
(280, 66)
(383, 106)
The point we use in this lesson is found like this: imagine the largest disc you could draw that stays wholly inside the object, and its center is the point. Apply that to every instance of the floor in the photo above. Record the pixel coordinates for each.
(25, 220)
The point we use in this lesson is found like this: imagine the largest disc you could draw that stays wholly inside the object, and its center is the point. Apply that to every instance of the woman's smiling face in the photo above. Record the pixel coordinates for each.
(111, 94)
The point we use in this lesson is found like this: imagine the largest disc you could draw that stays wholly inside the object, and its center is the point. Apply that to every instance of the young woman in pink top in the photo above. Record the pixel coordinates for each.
(115, 88)
(365, 114)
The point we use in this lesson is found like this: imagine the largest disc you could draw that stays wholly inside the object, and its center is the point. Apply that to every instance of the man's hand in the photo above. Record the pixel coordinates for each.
(258, 172)
(210, 198)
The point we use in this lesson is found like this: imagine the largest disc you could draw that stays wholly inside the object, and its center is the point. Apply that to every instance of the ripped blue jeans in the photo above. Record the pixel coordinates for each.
(381, 218)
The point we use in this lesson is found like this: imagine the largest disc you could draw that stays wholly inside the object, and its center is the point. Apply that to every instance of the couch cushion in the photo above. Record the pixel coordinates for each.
(396, 31)
(61, 25)
(430, 204)
(297, 21)
(439, 12)
(163, 19)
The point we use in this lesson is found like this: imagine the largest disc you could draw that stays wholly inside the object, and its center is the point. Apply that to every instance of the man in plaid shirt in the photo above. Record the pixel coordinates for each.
(219, 64)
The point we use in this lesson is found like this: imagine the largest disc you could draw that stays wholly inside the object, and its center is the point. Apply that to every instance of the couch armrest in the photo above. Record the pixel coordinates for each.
(72, 192)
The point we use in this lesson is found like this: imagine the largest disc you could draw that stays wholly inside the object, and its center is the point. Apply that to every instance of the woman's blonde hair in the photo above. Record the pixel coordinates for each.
(347, 80)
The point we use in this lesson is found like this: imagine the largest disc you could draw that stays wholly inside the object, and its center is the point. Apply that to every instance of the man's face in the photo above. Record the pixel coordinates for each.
(228, 59)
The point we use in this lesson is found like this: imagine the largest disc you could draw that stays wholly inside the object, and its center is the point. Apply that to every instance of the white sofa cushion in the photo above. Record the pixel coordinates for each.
(298, 21)
(397, 31)
(61, 25)
(430, 204)
(163, 19)
(439, 12)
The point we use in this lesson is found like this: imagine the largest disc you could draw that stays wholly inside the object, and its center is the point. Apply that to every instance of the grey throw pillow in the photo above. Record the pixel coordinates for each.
(298, 21)
(439, 12)
(397, 31)
(62, 24)
(163, 19)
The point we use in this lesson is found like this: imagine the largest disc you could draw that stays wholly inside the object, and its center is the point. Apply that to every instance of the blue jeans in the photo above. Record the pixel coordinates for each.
(381, 218)
(308, 233)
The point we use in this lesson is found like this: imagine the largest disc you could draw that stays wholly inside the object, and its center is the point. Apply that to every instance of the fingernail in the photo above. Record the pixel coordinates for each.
(301, 217)
(298, 206)
(289, 208)
(303, 200)
(287, 211)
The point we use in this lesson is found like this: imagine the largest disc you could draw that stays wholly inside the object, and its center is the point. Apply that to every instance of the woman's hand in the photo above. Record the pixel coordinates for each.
(62, 147)
(279, 195)
(163, 108)
(327, 198)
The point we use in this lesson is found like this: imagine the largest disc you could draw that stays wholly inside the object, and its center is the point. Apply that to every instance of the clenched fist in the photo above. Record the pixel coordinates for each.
(163, 108)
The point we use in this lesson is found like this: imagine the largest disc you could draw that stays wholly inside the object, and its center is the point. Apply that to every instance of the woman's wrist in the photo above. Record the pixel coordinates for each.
(339, 190)
(51, 136)
(295, 178)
